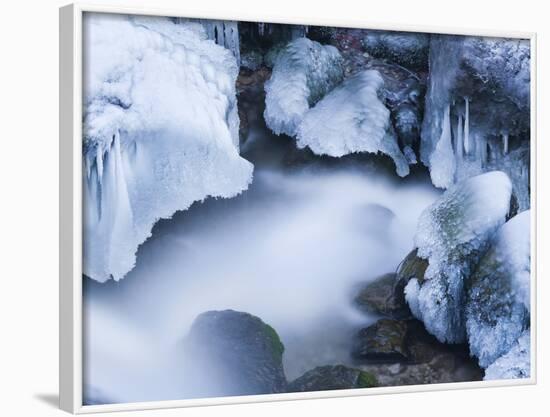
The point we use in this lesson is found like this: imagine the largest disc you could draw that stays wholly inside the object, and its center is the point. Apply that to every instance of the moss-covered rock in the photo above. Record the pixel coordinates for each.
(336, 377)
(239, 351)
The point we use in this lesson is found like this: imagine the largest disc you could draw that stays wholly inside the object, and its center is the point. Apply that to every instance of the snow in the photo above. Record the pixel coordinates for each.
(303, 72)
(498, 306)
(351, 119)
(514, 364)
(451, 235)
(160, 131)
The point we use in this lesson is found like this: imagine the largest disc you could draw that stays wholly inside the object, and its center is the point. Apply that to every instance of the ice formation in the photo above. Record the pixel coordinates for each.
(452, 235)
(160, 131)
(516, 363)
(498, 307)
(303, 72)
(478, 100)
(351, 119)
(224, 33)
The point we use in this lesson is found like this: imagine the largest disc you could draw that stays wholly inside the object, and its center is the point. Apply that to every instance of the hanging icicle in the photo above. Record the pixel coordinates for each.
(467, 145)
(459, 142)
(224, 33)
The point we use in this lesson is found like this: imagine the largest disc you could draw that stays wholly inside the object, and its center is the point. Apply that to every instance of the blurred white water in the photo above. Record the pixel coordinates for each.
(289, 251)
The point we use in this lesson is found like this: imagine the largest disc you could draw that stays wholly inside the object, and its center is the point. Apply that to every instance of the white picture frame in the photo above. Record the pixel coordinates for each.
(70, 262)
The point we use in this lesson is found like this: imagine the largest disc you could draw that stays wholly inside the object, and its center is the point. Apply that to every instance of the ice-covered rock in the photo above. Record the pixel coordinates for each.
(452, 235)
(352, 119)
(303, 72)
(515, 364)
(160, 131)
(409, 49)
(477, 108)
(498, 307)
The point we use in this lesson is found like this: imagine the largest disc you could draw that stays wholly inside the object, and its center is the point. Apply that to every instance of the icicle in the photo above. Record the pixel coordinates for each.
(459, 143)
(442, 160)
(224, 33)
(505, 143)
(261, 29)
(99, 164)
(467, 125)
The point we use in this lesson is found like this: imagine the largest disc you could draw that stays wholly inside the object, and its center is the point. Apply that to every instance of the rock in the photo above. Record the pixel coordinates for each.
(412, 266)
(325, 378)
(252, 59)
(452, 234)
(241, 353)
(427, 361)
(384, 341)
(498, 303)
(383, 296)
(404, 48)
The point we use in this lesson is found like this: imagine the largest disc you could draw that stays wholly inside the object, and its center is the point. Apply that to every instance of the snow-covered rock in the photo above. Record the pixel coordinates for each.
(452, 235)
(515, 364)
(409, 49)
(498, 307)
(477, 108)
(303, 72)
(160, 131)
(352, 119)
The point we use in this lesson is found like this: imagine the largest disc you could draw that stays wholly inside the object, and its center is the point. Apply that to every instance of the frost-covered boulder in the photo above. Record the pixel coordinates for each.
(477, 108)
(515, 364)
(160, 131)
(303, 72)
(452, 234)
(498, 307)
(352, 119)
(409, 49)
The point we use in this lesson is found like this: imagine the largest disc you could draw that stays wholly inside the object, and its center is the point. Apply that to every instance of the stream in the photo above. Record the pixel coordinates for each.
(290, 250)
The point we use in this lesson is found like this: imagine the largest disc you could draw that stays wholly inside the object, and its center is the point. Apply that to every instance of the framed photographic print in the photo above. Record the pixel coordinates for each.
(264, 209)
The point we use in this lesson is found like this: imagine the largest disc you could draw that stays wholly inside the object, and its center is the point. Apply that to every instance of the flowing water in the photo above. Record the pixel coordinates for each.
(290, 250)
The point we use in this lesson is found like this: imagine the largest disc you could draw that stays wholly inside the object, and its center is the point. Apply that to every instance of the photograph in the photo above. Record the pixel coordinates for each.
(273, 208)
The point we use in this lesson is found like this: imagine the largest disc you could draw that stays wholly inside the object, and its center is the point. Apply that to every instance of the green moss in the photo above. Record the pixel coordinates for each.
(276, 344)
(366, 380)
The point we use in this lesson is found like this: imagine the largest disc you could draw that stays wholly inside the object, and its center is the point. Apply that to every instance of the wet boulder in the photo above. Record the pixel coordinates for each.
(330, 377)
(383, 296)
(241, 354)
(384, 341)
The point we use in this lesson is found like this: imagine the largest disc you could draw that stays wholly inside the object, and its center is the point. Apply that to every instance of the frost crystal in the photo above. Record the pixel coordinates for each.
(452, 234)
(303, 72)
(498, 306)
(514, 364)
(160, 131)
(351, 119)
